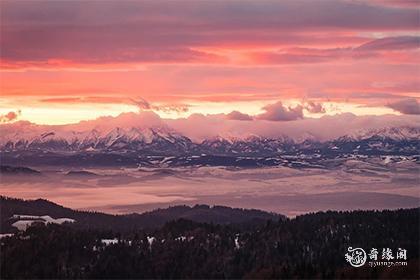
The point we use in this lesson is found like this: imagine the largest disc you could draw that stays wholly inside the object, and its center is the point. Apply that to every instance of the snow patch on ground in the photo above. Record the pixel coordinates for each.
(25, 221)
(5, 235)
(108, 242)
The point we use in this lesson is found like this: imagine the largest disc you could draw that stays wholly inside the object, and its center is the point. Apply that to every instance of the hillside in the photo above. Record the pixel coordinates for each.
(309, 246)
(153, 219)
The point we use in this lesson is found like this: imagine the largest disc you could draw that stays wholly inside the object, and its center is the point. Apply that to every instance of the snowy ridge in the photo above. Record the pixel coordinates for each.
(393, 133)
(162, 140)
(93, 139)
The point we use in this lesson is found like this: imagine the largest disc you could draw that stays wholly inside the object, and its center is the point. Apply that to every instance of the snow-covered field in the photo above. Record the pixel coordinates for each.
(25, 221)
(355, 184)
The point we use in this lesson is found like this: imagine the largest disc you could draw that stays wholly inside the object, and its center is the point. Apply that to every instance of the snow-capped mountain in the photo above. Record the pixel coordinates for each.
(117, 139)
(164, 141)
(392, 133)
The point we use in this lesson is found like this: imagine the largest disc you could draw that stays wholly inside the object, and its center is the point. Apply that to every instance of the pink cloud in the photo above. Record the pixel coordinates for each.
(236, 115)
(154, 31)
(174, 54)
(409, 106)
(394, 3)
(142, 104)
(371, 49)
(391, 43)
(314, 107)
(279, 112)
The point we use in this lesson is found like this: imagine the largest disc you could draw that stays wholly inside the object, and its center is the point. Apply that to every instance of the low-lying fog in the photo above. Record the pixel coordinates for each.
(354, 185)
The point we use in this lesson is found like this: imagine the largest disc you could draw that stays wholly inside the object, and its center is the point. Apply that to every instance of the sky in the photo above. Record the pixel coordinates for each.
(270, 61)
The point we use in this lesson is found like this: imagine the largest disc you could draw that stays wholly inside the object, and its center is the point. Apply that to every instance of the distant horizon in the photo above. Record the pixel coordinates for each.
(195, 205)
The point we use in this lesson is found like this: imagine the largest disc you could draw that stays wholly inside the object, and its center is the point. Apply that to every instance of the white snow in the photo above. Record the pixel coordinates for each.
(181, 238)
(4, 235)
(25, 221)
(166, 159)
(24, 224)
(150, 240)
(108, 242)
(237, 245)
(387, 159)
(25, 217)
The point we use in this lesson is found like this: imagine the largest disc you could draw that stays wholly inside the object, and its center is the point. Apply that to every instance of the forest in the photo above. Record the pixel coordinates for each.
(308, 246)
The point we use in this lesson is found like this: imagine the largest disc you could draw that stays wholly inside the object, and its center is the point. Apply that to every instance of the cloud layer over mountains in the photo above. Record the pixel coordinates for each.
(235, 125)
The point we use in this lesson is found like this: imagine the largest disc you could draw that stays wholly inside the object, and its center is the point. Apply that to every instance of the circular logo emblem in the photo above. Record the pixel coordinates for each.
(356, 257)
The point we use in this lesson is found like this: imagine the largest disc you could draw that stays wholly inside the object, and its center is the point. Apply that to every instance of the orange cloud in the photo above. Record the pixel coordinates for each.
(180, 55)
(9, 117)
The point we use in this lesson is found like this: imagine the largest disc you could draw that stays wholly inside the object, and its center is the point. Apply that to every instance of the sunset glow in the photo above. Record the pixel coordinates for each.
(71, 61)
(209, 139)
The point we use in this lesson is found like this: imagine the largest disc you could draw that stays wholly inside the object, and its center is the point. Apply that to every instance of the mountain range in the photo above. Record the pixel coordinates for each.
(165, 142)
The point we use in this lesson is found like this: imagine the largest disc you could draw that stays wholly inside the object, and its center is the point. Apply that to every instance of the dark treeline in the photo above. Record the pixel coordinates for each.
(309, 246)
(131, 222)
